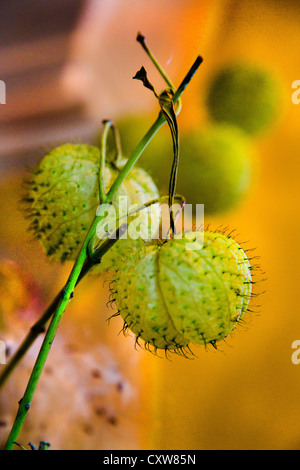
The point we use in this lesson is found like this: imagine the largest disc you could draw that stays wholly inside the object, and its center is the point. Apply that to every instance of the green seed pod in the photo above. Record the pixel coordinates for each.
(63, 197)
(216, 167)
(157, 158)
(245, 95)
(180, 292)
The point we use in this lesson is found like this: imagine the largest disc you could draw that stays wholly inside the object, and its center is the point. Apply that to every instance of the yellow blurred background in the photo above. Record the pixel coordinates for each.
(60, 85)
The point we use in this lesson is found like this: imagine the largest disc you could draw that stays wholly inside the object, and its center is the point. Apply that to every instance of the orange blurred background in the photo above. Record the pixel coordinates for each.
(62, 79)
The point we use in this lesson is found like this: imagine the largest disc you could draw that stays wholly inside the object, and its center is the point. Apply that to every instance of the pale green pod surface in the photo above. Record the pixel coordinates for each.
(63, 198)
(199, 294)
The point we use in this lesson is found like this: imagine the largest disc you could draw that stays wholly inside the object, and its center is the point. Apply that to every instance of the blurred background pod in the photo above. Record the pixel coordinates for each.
(64, 74)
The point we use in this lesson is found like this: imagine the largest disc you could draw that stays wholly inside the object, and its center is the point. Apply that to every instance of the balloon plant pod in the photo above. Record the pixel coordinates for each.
(187, 288)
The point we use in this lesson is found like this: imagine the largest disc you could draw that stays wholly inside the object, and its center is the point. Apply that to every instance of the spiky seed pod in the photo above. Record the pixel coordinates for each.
(246, 95)
(170, 295)
(63, 197)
